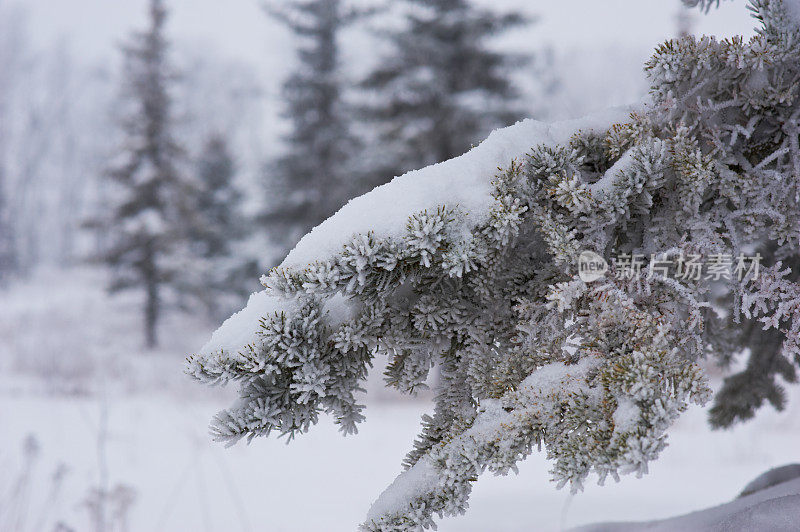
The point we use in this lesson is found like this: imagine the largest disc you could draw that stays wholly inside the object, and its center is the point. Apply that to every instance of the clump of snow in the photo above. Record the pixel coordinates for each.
(240, 329)
(411, 484)
(558, 376)
(626, 416)
(463, 181)
(772, 477)
(605, 184)
(338, 309)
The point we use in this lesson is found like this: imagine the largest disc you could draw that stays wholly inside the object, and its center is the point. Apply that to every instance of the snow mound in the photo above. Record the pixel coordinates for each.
(776, 509)
(463, 182)
(771, 478)
(781, 514)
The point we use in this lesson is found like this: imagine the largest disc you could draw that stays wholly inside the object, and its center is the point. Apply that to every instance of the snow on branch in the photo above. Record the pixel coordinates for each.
(565, 279)
(463, 183)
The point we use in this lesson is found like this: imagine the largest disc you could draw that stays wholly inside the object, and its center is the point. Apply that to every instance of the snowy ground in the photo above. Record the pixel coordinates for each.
(70, 359)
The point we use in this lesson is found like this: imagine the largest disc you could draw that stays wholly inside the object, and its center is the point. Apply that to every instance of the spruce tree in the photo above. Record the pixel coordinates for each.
(7, 252)
(12, 55)
(442, 89)
(567, 297)
(147, 224)
(313, 178)
(223, 273)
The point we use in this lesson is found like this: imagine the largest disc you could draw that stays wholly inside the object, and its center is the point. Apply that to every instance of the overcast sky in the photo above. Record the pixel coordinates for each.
(239, 28)
(582, 32)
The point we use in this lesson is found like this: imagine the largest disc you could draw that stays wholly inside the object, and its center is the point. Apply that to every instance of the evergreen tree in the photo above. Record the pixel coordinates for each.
(224, 274)
(148, 223)
(12, 56)
(442, 89)
(314, 177)
(688, 208)
(7, 252)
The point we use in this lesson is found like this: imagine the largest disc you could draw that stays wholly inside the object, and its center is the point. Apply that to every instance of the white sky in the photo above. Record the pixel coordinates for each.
(588, 30)
(240, 29)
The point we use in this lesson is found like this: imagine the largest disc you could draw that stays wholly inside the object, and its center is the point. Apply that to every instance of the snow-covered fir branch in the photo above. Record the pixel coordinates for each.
(472, 265)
